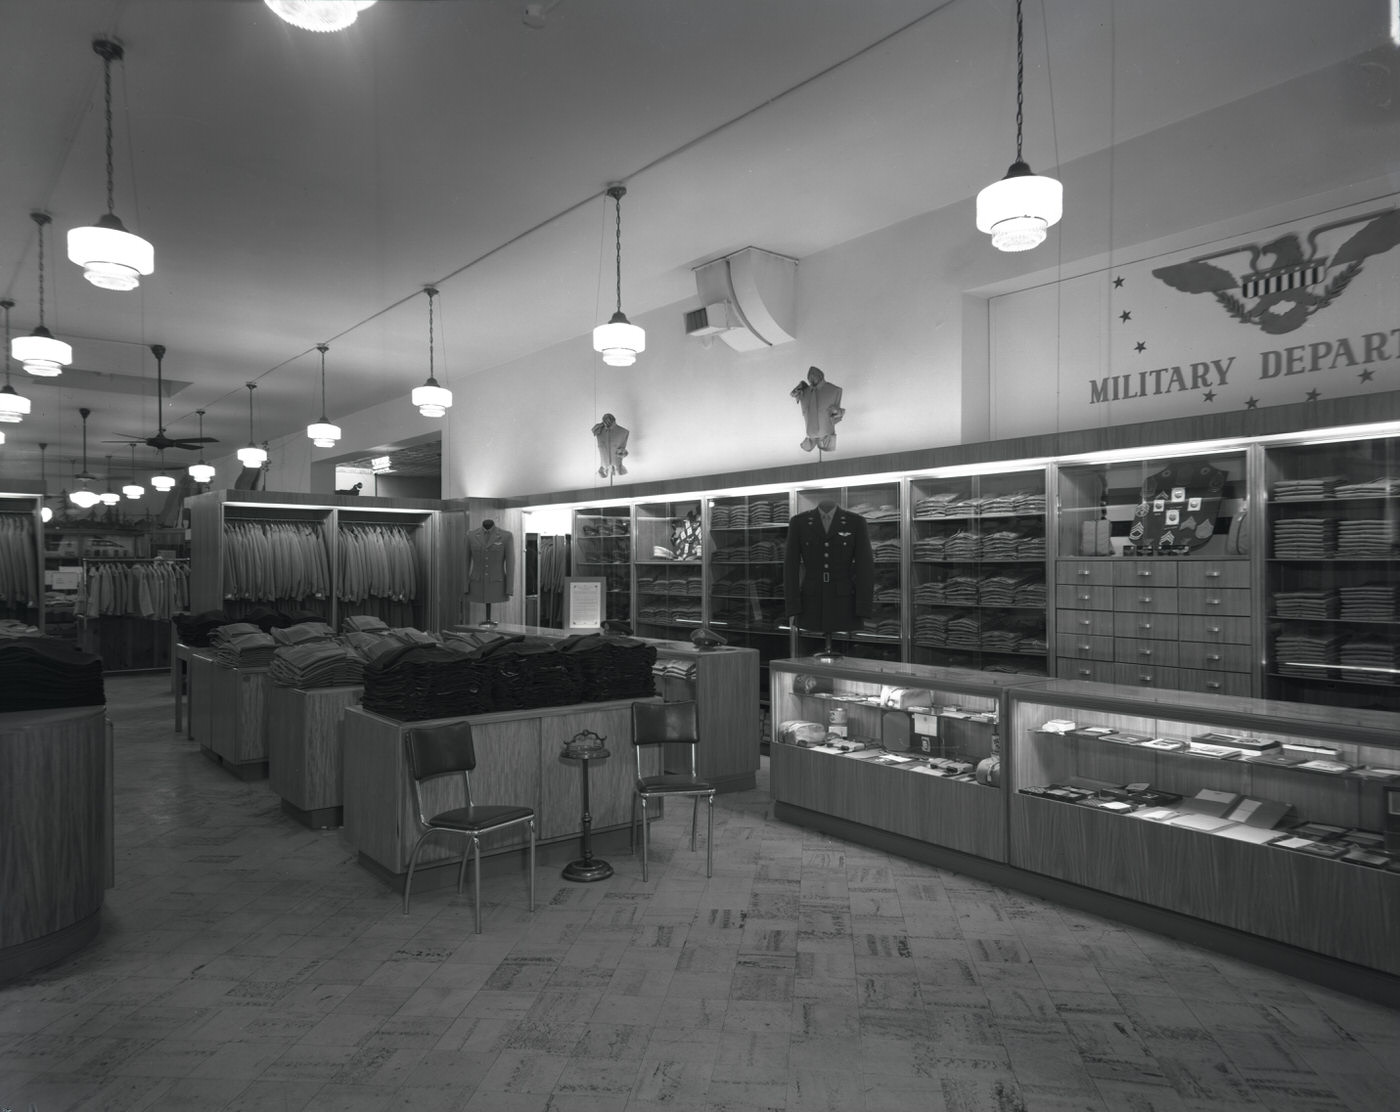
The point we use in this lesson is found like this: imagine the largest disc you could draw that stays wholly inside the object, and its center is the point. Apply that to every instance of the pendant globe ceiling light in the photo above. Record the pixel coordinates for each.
(83, 496)
(431, 399)
(133, 489)
(109, 497)
(41, 354)
(319, 15)
(112, 258)
(251, 455)
(201, 472)
(1016, 210)
(162, 481)
(13, 407)
(619, 341)
(322, 433)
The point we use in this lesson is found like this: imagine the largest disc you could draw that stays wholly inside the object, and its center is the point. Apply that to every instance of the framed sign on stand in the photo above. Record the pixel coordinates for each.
(585, 601)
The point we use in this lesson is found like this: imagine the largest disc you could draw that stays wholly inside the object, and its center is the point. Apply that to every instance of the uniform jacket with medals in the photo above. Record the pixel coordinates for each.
(829, 575)
(490, 565)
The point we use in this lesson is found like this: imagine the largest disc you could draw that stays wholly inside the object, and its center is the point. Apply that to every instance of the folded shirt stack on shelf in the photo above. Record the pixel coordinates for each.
(315, 664)
(676, 669)
(930, 548)
(945, 504)
(611, 667)
(963, 545)
(242, 646)
(1316, 604)
(531, 672)
(364, 623)
(886, 551)
(413, 682)
(44, 673)
(302, 633)
(1379, 487)
(1305, 490)
(1368, 602)
(1296, 649)
(1367, 537)
(1305, 538)
(1376, 661)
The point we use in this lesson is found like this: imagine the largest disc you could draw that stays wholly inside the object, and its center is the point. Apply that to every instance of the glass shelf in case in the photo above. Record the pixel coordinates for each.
(746, 544)
(603, 547)
(1333, 580)
(669, 568)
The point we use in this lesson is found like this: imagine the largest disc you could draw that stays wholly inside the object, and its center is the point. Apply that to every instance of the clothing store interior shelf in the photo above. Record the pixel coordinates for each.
(55, 799)
(1283, 842)
(304, 763)
(22, 587)
(1332, 575)
(602, 546)
(959, 815)
(518, 762)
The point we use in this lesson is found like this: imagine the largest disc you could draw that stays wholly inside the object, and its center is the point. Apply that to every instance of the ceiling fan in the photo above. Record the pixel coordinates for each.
(160, 441)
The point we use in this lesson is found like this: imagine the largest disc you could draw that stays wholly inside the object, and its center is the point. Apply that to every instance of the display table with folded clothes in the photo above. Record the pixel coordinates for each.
(55, 826)
(41, 673)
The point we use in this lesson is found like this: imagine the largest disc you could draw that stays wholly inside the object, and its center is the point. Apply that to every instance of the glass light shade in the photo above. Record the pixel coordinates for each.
(323, 434)
(84, 499)
(251, 456)
(202, 472)
(2, 436)
(319, 15)
(13, 408)
(1016, 210)
(109, 497)
(45, 514)
(41, 354)
(163, 482)
(133, 490)
(620, 341)
(111, 257)
(431, 399)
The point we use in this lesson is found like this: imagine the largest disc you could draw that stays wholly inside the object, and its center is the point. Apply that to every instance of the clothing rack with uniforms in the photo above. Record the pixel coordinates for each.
(377, 571)
(123, 605)
(553, 564)
(21, 589)
(276, 561)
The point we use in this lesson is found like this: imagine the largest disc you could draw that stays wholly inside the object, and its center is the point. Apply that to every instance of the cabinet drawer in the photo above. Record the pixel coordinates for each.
(1214, 683)
(1213, 658)
(1144, 573)
(1100, 671)
(1213, 573)
(1214, 630)
(1145, 599)
(1099, 623)
(1213, 600)
(1079, 596)
(1073, 646)
(1093, 573)
(1141, 651)
(1157, 627)
(1146, 675)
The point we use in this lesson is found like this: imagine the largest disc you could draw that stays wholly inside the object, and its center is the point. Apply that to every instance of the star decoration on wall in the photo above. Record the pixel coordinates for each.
(1313, 395)
(1208, 396)
(1118, 282)
(1252, 403)
(1139, 346)
(1125, 316)
(1366, 374)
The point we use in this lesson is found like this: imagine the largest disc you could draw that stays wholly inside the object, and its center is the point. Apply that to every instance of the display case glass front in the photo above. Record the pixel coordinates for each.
(881, 634)
(978, 564)
(746, 545)
(1333, 578)
(603, 547)
(669, 569)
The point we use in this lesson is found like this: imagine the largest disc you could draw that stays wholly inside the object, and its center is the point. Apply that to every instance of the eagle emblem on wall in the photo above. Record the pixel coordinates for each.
(1278, 285)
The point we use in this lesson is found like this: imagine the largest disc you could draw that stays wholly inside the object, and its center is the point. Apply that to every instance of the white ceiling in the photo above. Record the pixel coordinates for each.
(301, 188)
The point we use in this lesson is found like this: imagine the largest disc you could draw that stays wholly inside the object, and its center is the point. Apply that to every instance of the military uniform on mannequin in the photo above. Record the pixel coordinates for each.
(829, 570)
(612, 446)
(490, 564)
(821, 409)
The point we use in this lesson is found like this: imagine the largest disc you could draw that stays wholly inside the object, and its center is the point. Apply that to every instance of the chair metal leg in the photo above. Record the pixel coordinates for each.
(462, 870)
(645, 836)
(632, 829)
(412, 861)
(476, 878)
(694, 811)
(532, 865)
(710, 838)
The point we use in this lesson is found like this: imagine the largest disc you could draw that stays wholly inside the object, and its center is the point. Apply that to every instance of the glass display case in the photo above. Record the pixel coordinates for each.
(669, 569)
(748, 534)
(978, 563)
(1152, 576)
(1226, 810)
(881, 636)
(603, 547)
(1332, 575)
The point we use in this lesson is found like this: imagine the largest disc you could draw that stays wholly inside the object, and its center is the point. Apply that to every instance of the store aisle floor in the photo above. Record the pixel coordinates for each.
(248, 963)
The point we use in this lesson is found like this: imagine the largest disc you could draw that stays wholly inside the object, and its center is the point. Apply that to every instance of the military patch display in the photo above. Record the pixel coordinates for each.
(1178, 507)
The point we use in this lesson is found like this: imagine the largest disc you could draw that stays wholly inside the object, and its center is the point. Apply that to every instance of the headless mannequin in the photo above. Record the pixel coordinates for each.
(488, 623)
(828, 655)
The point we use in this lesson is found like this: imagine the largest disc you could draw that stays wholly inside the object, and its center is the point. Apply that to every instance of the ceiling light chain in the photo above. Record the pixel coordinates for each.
(108, 51)
(323, 434)
(41, 354)
(619, 341)
(251, 455)
(200, 471)
(431, 399)
(133, 489)
(14, 407)
(1017, 210)
(83, 497)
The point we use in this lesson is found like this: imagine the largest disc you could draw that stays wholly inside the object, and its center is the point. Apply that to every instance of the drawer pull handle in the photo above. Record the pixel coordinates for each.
(1213, 685)
(1085, 572)
(1145, 574)
(1212, 575)
(1144, 652)
(1213, 602)
(1086, 648)
(1214, 657)
(1212, 629)
(1085, 621)
(1145, 679)
(1085, 598)
(1144, 598)
(1145, 625)
(1085, 672)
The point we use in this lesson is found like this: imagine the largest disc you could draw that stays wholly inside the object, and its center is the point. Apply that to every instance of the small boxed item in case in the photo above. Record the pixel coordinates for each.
(1367, 858)
(1218, 752)
(1165, 743)
(1310, 752)
(1236, 741)
(1123, 738)
(1333, 767)
(1093, 732)
(1321, 831)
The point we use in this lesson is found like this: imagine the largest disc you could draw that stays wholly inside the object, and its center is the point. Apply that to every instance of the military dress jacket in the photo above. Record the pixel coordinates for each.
(490, 565)
(829, 577)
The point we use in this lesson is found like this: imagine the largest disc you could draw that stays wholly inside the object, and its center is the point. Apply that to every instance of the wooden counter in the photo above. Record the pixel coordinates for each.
(518, 761)
(304, 764)
(235, 702)
(55, 834)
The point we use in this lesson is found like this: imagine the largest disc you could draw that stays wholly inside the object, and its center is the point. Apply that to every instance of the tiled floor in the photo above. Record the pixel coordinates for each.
(247, 963)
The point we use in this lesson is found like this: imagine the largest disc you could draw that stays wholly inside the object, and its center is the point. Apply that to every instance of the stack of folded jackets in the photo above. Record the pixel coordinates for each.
(242, 646)
(964, 631)
(1305, 538)
(302, 633)
(936, 505)
(414, 682)
(43, 673)
(963, 545)
(1376, 661)
(677, 669)
(321, 663)
(532, 672)
(1367, 537)
(611, 667)
(960, 590)
(1304, 490)
(931, 628)
(1380, 487)
(1368, 602)
(930, 548)
(1296, 650)
(1315, 604)
(930, 593)
(364, 623)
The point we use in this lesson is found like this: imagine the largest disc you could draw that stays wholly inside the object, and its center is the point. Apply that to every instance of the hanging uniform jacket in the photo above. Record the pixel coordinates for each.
(829, 575)
(490, 565)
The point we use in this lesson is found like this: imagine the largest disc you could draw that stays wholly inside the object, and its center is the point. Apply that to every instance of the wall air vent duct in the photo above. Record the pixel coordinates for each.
(748, 299)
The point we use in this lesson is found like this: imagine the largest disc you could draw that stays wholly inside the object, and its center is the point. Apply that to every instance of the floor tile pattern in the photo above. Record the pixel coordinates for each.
(246, 963)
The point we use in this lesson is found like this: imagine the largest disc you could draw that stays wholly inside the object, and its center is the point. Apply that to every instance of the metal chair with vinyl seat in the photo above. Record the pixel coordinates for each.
(435, 751)
(673, 724)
